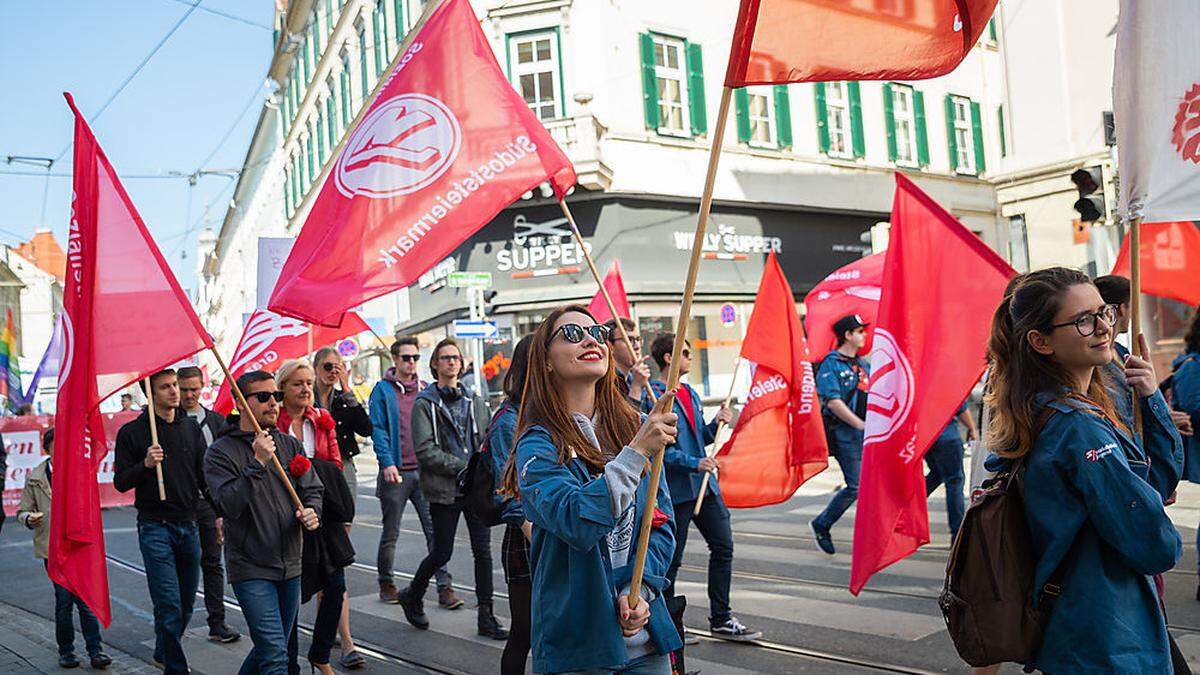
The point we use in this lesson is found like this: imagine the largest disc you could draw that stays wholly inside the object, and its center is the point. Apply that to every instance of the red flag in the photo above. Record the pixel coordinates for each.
(779, 41)
(119, 290)
(930, 341)
(615, 286)
(446, 145)
(779, 440)
(270, 339)
(852, 289)
(1170, 261)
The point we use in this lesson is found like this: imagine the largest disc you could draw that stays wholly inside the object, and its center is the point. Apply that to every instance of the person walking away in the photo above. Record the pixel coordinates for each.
(448, 424)
(167, 532)
(191, 382)
(1184, 389)
(514, 549)
(1093, 495)
(842, 386)
(399, 481)
(34, 513)
(334, 393)
(685, 464)
(633, 376)
(945, 461)
(263, 527)
(578, 469)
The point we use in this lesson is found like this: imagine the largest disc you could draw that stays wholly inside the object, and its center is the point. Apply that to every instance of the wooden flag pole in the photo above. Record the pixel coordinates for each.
(283, 476)
(1135, 308)
(729, 397)
(612, 309)
(685, 313)
(162, 489)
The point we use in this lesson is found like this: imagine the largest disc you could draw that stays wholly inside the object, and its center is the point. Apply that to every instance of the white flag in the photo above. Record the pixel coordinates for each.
(1156, 100)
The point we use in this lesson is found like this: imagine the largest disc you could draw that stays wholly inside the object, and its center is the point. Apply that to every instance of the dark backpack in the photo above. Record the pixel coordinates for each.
(987, 598)
(477, 482)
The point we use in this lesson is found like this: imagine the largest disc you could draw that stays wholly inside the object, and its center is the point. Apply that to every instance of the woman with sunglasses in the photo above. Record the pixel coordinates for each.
(578, 469)
(298, 416)
(1093, 497)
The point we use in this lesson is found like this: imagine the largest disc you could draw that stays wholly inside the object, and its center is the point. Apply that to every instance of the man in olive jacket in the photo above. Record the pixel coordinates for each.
(263, 535)
(448, 424)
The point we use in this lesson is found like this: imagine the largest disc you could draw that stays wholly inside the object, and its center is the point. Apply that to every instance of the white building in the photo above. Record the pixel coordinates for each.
(629, 90)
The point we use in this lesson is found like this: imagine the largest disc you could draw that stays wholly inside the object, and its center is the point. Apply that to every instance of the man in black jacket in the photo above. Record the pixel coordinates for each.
(191, 381)
(167, 532)
(264, 529)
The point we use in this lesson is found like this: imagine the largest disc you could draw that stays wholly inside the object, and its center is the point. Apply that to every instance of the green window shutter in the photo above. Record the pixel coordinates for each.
(822, 117)
(307, 60)
(741, 107)
(649, 81)
(889, 121)
(316, 32)
(695, 89)
(977, 132)
(398, 16)
(951, 143)
(362, 64)
(311, 173)
(301, 170)
(783, 116)
(992, 29)
(345, 85)
(320, 138)
(1000, 127)
(331, 123)
(377, 39)
(859, 142)
(922, 130)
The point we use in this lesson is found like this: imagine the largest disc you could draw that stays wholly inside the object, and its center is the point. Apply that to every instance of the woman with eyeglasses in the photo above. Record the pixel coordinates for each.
(1093, 496)
(579, 471)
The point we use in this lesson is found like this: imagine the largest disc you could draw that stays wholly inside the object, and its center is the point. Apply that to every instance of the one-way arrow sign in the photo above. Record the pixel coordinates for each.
(465, 329)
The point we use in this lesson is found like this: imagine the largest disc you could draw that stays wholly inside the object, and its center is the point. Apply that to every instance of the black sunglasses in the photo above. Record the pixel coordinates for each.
(327, 366)
(411, 358)
(573, 332)
(264, 396)
(1086, 324)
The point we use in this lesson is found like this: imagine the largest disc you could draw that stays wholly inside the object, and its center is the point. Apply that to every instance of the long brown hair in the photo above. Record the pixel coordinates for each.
(1018, 373)
(541, 405)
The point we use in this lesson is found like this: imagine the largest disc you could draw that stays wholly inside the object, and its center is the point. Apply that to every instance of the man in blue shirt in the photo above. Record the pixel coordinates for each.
(842, 387)
(945, 461)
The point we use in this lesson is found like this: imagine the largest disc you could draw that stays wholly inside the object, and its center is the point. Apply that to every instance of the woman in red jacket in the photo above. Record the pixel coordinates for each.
(299, 417)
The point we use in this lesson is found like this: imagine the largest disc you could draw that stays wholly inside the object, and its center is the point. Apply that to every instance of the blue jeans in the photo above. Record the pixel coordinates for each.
(651, 664)
(171, 554)
(945, 460)
(850, 459)
(64, 633)
(270, 609)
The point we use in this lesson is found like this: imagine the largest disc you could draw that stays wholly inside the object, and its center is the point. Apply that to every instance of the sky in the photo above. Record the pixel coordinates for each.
(192, 107)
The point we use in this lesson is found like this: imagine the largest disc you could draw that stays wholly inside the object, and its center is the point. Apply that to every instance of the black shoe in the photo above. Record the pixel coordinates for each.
(824, 541)
(733, 630)
(489, 627)
(352, 660)
(100, 661)
(414, 609)
(223, 634)
(68, 661)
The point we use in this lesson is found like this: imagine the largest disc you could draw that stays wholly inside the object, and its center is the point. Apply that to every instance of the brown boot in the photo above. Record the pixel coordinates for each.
(387, 593)
(447, 599)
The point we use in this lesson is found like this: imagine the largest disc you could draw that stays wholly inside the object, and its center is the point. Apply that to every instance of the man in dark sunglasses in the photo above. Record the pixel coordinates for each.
(633, 375)
(399, 481)
(263, 530)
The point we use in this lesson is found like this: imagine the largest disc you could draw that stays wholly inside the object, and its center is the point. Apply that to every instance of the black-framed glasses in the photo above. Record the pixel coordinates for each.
(264, 396)
(328, 366)
(410, 358)
(573, 332)
(1086, 324)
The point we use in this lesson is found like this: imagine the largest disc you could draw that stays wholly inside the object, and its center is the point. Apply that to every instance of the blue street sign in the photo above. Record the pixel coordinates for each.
(465, 329)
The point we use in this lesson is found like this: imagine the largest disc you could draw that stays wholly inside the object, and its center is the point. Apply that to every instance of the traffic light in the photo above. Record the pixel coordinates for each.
(1090, 184)
(489, 302)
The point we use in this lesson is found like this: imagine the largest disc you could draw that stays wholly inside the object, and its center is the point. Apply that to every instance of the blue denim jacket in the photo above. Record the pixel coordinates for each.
(836, 379)
(574, 609)
(681, 461)
(1185, 396)
(501, 434)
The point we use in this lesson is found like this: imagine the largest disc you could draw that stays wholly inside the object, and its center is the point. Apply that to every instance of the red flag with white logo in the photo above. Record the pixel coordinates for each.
(939, 280)
(1170, 261)
(124, 317)
(270, 339)
(779, 41)
(445, 147)
(778, 442)
(615, 285)
(851, 289)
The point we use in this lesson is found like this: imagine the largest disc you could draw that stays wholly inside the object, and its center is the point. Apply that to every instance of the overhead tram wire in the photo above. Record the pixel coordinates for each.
(227, 15)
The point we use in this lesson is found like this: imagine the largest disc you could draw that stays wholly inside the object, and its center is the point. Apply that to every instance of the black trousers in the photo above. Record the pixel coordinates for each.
(515, 558)
(445, 524)
(713, 523)
(210, 566)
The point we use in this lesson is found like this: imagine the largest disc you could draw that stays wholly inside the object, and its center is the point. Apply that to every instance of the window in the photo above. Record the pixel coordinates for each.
(763, 117)
(534, 70)
(307, 60)
(363, 86)
(904, 114)
(301, 173)
(315, 29)
(842, 118)
(964, 135)
(1000, 128)
(905, 125)
(331, 125)
(398, 19)
(673, 85)
(378, 37)
(344, 82)
(321, 138)
(310, 146)
(1018, 243)
(670, 76)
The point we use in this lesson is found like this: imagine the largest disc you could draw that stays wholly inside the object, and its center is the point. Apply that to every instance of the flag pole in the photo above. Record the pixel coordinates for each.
(612, 308)
(237, 393)
(1135, 307)
(162, 489)
(704, 483)
(685, 313)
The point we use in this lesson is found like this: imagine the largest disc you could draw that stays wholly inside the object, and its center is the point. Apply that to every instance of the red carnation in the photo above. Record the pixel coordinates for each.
(660, 518)
(299, 466)
(325, 420)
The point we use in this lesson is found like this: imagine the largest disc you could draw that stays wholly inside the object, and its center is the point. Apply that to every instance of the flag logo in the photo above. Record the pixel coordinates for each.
(68, 336)
(1186, 134)
(403, 145)
(890, 398)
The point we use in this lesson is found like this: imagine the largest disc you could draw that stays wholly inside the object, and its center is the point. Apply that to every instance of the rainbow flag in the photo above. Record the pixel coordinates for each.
(10, 372)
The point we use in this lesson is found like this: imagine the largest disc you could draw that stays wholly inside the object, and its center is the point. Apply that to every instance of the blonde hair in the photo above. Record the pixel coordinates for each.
(289, 368)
